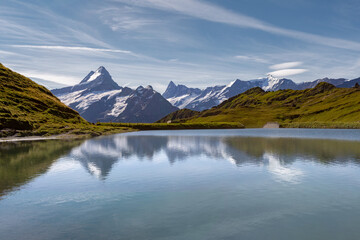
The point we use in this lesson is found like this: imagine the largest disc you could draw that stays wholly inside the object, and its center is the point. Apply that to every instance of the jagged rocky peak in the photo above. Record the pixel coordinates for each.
(87, 77)
(237, 81)
(171, 85)
(100, 80)
(145, 90)
(270, 82)
(170, 90)
(173, 91)
(100, 74)
(140, 88)
(271, 78)
(99, 98)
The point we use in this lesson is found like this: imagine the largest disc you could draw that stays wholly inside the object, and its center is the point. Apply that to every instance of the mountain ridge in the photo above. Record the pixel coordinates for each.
(201, 99)
(254, 108)
(98, 98)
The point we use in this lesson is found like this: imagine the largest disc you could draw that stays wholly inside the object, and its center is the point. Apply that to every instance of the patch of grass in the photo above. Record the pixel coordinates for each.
(178, 116)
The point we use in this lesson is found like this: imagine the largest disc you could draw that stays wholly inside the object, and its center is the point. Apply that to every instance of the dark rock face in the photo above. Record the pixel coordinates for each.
(335, 82)
(349, 84)
(98, 98)
(143, 105)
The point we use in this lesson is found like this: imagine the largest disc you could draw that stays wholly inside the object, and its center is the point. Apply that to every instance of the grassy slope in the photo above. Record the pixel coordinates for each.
(27, 108)
(178, 115)
(322, 106)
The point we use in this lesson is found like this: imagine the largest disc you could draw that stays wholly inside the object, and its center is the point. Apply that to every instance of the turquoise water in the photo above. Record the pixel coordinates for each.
(196, 184)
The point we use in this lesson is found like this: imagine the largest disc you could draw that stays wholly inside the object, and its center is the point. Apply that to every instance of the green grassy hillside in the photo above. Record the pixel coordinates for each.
(27, 108)
(323, 106)
(178, 115)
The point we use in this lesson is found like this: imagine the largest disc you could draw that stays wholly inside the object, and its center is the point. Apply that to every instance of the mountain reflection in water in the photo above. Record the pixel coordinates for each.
(99, 155)
(210, 184)
(21, 162)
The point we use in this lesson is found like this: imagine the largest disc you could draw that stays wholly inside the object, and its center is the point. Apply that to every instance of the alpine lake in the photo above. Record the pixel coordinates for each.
(189, 184)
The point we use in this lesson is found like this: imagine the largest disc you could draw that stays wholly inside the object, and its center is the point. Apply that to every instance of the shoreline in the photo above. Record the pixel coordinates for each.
(41, 138)
(88, 136)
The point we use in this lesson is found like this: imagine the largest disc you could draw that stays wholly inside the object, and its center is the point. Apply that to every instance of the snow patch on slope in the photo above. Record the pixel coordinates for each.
(182, 101)
(70, 97)
(119, 106)
(272, 81)
(94, 76)
(84, 101)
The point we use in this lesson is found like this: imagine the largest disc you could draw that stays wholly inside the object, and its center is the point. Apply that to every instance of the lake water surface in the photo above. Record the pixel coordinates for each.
(196, 184)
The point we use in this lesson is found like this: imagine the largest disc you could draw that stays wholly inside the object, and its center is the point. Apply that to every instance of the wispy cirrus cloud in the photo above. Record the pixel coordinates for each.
(251, 58)
(126, 18)
(210, 12)
(70, 48)
(63, 79)
(36, 26)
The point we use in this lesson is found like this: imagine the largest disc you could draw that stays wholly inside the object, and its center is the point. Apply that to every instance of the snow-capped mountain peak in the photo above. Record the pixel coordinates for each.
(100, 74)
(271, 82)
(181, 96)
(99, 98)
(100, 80)
(87, 77)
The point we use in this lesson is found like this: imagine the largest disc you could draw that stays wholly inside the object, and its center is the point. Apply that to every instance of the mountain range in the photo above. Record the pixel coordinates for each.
(99, 98)
(322, 106)
(31, 108)
(197, 99)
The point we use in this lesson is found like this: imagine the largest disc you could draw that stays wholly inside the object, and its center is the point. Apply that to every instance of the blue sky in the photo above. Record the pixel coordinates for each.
(193, 42)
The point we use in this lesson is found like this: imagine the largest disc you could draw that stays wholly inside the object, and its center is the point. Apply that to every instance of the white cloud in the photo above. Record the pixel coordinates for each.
(7, 53)
(63, 79)
(251, 58)
(67, 48)
(285, 65)
(287, 72)
(210, 12)
(126, 18)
